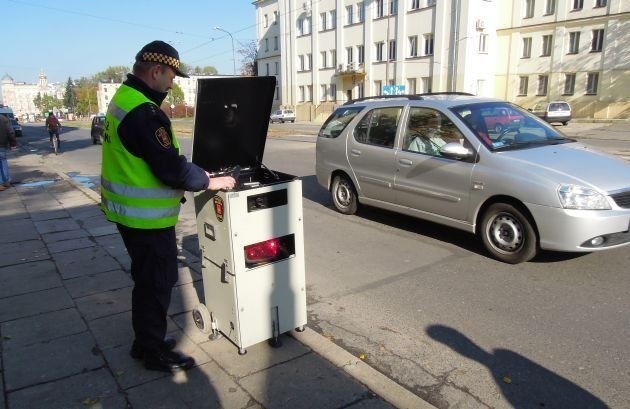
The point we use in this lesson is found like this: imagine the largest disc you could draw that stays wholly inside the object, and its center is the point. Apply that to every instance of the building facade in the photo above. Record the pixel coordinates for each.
(20, 95)
(325, 52)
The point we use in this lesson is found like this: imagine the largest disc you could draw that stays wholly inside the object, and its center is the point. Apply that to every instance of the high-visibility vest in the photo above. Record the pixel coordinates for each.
(130, 193)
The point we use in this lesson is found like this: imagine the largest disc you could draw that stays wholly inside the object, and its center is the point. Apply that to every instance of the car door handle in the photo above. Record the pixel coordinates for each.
(355, 152)
(405, 162)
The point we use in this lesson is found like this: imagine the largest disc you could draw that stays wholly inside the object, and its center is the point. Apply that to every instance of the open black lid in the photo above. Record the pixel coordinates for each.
(231, 121)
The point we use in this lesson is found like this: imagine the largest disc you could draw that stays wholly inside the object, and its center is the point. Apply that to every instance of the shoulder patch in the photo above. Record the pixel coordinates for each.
(162, 137)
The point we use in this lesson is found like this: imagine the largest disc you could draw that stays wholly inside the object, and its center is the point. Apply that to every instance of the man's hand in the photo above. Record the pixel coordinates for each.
(221, 182)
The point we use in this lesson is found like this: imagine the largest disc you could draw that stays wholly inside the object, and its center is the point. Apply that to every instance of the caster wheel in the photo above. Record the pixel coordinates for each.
(242, 351)
(201, 317)
(300, 329)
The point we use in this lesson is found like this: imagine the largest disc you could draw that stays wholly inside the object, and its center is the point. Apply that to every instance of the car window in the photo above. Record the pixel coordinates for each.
(337, 122)
(378, 127)
(428, 130)
(558, 106)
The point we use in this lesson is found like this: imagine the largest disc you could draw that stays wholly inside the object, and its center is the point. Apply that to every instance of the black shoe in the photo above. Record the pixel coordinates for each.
(167, 361)
(138, 353)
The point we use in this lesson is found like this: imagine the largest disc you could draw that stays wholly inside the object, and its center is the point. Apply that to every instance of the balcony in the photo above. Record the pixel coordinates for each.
(351, 70)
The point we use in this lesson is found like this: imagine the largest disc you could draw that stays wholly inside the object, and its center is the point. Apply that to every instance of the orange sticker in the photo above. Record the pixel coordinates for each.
(218, 207)
(162, 136)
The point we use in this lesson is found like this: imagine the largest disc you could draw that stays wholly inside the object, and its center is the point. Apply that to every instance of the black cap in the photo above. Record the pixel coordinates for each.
(163, 53)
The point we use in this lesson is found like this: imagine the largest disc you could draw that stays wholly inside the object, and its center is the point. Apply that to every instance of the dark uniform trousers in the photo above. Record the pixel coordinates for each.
(153, 255)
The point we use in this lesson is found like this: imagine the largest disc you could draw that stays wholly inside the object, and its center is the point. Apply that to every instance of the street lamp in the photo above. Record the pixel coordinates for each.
(233, 54)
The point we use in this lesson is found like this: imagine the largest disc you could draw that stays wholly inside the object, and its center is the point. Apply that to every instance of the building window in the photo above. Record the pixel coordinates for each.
(360, 54)
(267, 68)
(349, 56)
(574, 42)
(349, 15)
(592, 78)
(546, 45)
(379, 8)
(266, 21)
(413, 46)
(266, 44)
(322, 22)
(322, 92)
(600, 3)
(393, 7)
(426, 84)
(301, 62)
(411, 86)
(578, 4)
(550, 8)
(301, 94)
(275, 43)
(333, 19)
(379, 51)
(430, 3)
(323, 59)
(569, 84)
(309, 93)
(360, 91)
(277, 64)
(333, 58)
(542, 85)
(523, 83)
(392, 50)
(428, 44)
(275, 18)
(332, 92)
(597, 43)
(309, 61)
(527, 47)
(277, 93)
(415, 4)
(378, 88)
(360, 12)
(483, 43)
(529, 9)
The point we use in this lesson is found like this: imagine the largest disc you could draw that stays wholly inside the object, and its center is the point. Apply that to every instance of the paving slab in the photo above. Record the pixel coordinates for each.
(56, 225)
(67, 245)
(2, 404)
(258, 357)
(105, 230)
(94, 389)
(185, 297)
(59, 358)
(97, 283)
(187, 275)
(34, 303)
(23, 252)
(17, 230)
(116, 330)
(282, 386)
(81, 262)
(28, 277)
(38, 215)
(104, 304)
(41, 328)
(64, 235)
(205, 387)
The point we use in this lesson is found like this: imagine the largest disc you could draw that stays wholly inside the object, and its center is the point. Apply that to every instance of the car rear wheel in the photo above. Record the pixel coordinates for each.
(508, 234)
(344, 195)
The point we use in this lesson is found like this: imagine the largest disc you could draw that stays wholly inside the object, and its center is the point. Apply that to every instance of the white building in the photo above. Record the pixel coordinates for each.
(20, 95)
(324, 52)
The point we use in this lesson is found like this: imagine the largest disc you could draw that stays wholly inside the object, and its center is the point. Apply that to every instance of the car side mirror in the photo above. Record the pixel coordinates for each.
(530, 110)
(455, 150)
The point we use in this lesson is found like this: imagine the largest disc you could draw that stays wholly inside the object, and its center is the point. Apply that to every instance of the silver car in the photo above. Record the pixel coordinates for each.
(435, 157)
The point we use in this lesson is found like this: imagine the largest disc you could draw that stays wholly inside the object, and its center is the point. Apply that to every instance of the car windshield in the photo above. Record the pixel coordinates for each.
(518, 130)
(337, 122)
(558, 106)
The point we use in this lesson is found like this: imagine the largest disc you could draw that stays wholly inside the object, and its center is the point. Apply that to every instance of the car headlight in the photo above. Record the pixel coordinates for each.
(582, 198)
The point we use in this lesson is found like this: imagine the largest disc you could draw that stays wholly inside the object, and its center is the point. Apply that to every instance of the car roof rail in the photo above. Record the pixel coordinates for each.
(447, 93)
(377, 97)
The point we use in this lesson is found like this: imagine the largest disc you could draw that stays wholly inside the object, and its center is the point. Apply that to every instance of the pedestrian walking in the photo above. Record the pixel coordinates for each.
(143, 180)
(7, 141)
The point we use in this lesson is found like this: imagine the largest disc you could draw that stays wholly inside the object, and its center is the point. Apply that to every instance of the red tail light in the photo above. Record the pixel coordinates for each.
(269, 251)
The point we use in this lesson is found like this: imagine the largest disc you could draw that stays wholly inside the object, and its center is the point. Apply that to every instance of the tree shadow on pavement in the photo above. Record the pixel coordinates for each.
(524, 383)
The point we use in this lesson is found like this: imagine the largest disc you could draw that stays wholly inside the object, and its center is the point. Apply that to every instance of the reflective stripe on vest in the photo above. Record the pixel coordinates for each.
(130, 193)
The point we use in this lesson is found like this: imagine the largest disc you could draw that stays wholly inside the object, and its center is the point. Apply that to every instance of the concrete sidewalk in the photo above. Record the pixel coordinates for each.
(65, 322)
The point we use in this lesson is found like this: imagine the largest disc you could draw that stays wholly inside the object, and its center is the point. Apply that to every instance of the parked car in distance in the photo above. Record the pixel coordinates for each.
(524, 189)
(282, 116)
(555, 111)
(499, 119)
(17, 128)
(96, 130)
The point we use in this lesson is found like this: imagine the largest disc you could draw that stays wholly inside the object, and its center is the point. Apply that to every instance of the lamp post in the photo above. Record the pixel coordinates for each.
(233, 54)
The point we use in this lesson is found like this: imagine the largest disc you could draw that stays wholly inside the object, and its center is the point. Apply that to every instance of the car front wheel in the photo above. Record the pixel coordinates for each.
(508, 234)
(344, 195)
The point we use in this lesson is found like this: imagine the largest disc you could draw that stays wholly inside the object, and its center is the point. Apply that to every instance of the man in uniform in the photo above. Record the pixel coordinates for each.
(143, 180)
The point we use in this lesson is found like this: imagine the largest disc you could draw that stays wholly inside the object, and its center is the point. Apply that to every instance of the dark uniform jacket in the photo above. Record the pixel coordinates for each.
(141, 132)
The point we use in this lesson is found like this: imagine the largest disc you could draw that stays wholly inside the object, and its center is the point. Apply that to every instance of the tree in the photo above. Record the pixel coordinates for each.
(46, 103)
(86, 96)
(249, 54)
(207, 70)
(69, 97)
(112, 74)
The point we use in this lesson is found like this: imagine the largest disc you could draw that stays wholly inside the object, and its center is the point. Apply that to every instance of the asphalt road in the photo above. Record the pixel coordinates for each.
(424, 305)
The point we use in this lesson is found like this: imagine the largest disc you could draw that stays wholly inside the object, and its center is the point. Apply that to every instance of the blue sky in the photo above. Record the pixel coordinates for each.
(74, 38)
